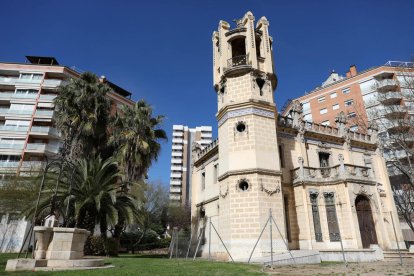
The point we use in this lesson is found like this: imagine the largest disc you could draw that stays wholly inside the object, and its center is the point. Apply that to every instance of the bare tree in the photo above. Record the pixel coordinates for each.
(391, 110)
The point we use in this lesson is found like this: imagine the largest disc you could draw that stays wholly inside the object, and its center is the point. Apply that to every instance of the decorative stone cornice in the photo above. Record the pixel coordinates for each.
(266, 106)
(249, 171)
(207, 201)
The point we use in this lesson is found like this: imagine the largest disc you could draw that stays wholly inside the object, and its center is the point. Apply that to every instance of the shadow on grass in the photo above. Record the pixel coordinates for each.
(143, 256)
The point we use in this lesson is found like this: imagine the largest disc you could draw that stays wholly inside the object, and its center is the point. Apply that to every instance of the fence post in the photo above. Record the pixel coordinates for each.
(189, 244)
(209, 241)
(396, 239)
(264, 227)
(198, 243)
(286, 243)
(271, 238)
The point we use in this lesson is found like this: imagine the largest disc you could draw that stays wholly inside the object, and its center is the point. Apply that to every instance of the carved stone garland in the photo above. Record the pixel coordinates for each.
(270, 192)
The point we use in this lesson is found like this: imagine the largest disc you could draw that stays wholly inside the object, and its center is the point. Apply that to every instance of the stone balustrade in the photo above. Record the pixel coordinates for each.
(209, 147)
(311, 127)
(337, 173)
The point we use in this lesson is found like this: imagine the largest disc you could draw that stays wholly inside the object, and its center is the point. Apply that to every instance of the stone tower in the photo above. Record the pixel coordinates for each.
(249, 164)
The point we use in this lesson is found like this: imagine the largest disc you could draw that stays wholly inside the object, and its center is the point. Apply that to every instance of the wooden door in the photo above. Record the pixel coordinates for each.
(365, 221)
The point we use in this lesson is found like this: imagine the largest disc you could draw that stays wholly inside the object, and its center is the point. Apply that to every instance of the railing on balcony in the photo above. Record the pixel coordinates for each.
(11, 146)
(237, 61)
(208, 148)
(387, 83)
(8, 80)
(390, 96)
(14, 128)
(24, 96)
(41, 147)
(360, 136)
(47, 97)
(44, 113)
(320, 128)
(20, 111)
(53, 82)
(342, 172)
(45, 130)
(6, 95)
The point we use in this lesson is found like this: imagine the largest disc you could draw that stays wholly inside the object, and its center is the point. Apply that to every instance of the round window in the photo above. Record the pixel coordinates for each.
(243, 185)
(241, 127)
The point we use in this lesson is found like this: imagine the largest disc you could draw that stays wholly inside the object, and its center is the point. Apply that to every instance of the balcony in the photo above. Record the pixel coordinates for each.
(176, 154)
(174, 147)
(393, 111)
(42, 148)
(175, 197)
(30, 96)
(44, 113)
(390, 97)
(9, 164)
(12, 146)
(237, 61)
(175, 189)
(4, 110)
(6, 95)
(387, 84)
(8, 80)
(47, 98)
(206, 135)
(336, 174)
(14, 128)
(176, 168)
(44, 130)
(178, 134)
(175, 175)
(175, 182)
(53, 82)
(176, 161)
(23, 112)
(28, 81)
(177, 140)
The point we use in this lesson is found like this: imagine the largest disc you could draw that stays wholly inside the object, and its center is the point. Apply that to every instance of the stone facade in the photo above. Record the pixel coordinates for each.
(322, 184)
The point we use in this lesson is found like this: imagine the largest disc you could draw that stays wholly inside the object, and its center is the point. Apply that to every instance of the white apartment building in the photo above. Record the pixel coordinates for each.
(183, 138)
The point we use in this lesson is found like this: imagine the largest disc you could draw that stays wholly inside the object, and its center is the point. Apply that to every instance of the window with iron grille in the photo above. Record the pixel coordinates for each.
(331, 216)
(315, 215)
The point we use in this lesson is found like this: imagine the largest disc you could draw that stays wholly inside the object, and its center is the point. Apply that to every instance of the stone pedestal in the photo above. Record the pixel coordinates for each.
(56, 248)
(67, 244)
(42, 235)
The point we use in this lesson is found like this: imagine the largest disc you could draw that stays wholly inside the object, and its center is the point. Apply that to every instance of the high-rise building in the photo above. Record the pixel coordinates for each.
(28, 137)
(182, 142)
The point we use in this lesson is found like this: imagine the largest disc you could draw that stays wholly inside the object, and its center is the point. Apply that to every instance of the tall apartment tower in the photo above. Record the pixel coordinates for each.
(181, 158)
(28, 137)
(245, 80)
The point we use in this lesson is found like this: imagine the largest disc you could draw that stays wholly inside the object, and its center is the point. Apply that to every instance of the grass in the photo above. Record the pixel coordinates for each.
(129, 264)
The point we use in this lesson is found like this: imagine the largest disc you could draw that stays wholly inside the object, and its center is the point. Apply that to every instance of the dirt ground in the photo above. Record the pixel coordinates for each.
(375, 268)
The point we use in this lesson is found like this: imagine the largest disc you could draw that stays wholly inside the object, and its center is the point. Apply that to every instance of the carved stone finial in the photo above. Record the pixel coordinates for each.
(341, 118)
(373, 126)
(341, 157)
(239, 22)
(297, 106)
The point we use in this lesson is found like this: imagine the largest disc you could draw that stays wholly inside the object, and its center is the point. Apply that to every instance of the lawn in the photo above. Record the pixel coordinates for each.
(129, 264)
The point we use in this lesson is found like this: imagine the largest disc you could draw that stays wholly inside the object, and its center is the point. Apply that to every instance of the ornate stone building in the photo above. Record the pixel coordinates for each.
(323, 184)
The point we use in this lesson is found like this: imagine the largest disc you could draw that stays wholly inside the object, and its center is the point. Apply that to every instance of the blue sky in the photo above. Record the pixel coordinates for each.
(161, 50)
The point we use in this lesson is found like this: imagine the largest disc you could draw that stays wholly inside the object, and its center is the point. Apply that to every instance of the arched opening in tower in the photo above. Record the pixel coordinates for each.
(238, 47)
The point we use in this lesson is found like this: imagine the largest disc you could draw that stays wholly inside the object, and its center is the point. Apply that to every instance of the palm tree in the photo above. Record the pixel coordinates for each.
(136, 136)
(82, 112)
(91, 189)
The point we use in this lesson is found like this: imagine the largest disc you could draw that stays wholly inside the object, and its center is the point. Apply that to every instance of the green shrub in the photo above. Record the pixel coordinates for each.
(98, 246)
